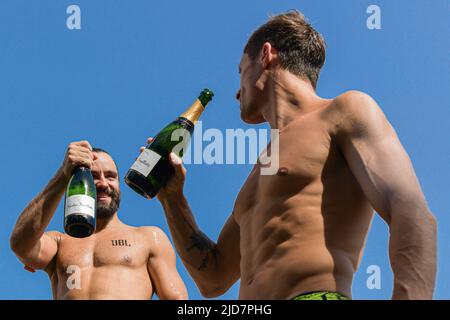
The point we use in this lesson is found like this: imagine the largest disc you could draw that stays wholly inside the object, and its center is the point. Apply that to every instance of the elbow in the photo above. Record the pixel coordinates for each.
(212, 291)
(210, 294)
(213, 283)
(14, 243)
(16, 247)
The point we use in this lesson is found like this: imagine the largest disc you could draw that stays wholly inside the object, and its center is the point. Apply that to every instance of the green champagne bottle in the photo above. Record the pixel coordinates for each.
(80, 204)
(152, 169)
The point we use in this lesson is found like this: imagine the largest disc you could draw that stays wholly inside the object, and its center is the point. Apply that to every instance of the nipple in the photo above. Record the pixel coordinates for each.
(283, 171)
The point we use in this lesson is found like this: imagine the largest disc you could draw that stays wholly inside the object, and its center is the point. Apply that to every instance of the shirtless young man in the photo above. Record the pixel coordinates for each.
(303, 229)
(117, 262)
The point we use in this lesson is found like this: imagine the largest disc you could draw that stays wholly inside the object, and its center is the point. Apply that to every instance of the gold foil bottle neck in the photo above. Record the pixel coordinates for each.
(194, 112)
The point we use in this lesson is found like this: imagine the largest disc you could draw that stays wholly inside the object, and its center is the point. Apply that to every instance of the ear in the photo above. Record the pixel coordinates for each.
(268, 55)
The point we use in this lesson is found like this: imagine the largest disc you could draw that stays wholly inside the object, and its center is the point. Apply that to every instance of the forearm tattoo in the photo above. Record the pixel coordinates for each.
(202, 243)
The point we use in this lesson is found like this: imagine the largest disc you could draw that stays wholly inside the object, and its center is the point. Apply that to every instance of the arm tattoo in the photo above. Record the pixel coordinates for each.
(202, 243)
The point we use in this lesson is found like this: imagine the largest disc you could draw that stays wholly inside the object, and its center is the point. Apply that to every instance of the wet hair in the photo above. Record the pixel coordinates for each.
(301, 49)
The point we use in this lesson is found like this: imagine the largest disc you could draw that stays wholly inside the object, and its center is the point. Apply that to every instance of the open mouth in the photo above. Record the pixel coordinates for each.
(101, 196)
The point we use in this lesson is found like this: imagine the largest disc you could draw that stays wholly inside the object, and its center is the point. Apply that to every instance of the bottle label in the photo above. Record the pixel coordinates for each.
(80, 204)
(146, 162)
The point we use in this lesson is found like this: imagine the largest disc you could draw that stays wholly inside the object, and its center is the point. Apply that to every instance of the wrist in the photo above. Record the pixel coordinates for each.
(62, 177)
(171, 197)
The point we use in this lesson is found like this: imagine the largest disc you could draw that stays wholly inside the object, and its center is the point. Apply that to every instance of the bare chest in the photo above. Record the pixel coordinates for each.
(102, 250)
(297, 166)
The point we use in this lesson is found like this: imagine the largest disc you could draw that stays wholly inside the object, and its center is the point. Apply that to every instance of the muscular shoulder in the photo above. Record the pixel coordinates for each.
(55, 235)
(155, 236)
(355, 102)
(354, 112)
(148, 230)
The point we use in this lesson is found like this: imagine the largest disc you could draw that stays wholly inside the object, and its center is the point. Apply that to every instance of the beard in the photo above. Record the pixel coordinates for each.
(105, 211)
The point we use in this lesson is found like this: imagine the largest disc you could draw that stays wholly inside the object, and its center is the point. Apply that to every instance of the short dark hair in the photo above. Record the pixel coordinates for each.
(300, 47)
(95, 149)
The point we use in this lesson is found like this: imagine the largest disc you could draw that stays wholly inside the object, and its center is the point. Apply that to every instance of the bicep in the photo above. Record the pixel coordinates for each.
(43, 253)
(163, 272)
(378, 160)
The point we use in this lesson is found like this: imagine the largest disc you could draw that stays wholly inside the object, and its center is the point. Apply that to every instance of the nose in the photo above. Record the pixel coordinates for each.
(238, 94)
(101, 183)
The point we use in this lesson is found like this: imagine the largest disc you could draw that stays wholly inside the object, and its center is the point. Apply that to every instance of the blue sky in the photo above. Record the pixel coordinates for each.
(135, 65)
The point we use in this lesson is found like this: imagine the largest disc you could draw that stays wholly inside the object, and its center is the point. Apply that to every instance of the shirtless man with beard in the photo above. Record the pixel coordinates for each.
(300, 233)
(116, 262)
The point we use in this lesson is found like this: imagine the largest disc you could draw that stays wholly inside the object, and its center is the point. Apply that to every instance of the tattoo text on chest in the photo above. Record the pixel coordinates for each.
(120, 243)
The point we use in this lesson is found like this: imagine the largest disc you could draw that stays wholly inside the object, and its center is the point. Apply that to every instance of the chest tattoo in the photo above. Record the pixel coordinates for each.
(120, 243)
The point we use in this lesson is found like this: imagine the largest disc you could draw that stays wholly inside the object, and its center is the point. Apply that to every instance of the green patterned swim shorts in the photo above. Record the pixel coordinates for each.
(321, 295)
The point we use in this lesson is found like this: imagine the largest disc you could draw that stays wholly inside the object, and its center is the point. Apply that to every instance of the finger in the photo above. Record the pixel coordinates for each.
(81, 162)
(85, 153)
(141, 149)
(81, 148)
(86, 144)
(81, 157)
(87, 163)
(175, 160)
(177, 163)
(149, 140)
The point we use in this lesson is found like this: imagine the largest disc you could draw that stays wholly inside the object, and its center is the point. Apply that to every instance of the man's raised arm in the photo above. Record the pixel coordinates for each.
(213, 266)
(28, 240)
(386, 175)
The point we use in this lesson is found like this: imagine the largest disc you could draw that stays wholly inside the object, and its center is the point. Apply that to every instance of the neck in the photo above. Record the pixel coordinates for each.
(289, 97)
(106, 223)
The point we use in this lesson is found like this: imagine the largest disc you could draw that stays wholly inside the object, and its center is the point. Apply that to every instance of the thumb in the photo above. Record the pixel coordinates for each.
(176, 182)
(177, 164)
(176, 161)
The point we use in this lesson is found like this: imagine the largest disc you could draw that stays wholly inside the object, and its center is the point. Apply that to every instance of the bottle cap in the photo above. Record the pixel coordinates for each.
(205, 96)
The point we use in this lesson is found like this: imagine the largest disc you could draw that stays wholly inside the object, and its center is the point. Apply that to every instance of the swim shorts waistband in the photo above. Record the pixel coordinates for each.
(320, 295)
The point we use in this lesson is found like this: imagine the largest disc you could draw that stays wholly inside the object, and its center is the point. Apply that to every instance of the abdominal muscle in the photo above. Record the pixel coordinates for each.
(286, 254)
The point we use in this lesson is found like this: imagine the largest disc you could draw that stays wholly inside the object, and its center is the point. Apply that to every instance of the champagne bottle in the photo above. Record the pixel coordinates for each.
(152, 169)
(80, 204)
